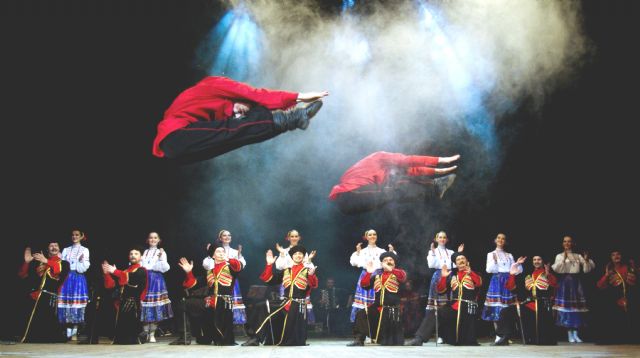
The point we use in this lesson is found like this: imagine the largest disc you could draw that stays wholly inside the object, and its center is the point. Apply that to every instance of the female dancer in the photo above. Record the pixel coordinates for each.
(570, 302)
(498, 296)
(156, 306)
(224, 239)
(74, 292)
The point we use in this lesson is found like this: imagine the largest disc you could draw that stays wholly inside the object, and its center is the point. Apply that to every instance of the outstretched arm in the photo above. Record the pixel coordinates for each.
(272, 99)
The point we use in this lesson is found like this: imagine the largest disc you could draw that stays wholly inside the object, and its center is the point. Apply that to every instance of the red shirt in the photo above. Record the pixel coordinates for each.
(213, 99)
(375, 168)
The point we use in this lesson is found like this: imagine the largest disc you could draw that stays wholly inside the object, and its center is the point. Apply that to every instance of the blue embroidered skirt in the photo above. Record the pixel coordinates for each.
(498, 297)
(73, 298)
(156, 306)
(570, 303)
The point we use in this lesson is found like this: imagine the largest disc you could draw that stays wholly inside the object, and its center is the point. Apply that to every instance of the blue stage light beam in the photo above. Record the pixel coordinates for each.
(348, 4)
(470, 81)
(234, 46)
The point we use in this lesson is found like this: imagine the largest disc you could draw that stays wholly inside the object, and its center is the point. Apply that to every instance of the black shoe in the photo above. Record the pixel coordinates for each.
(253, 341)
(296, 118)
(414, 342)
(311, 109)
(444, 183)
(503, 341)
(356, 343)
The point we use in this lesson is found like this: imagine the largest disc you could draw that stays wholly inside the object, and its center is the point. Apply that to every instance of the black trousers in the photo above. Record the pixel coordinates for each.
(428, 325)
(386, 327)
(373, 196)
(256, 314)
(545, 334)
(44, 326)
(208, 139)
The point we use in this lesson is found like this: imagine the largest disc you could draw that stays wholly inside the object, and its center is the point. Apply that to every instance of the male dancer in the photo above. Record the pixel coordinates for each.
(47, 273)
(381, 321)
(218, 115)
(384, 177)
(133, 288)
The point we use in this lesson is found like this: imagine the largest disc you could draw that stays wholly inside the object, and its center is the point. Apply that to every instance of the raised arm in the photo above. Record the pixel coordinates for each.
(492, 263)
(83, 261)
(558, 265)
(162, 264)
(272, 99)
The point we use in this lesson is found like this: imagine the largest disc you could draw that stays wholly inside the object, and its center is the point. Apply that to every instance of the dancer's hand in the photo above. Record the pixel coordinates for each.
(81, 258)
(39, 256)
(160, 252)
(370, 267)
(187, 266)
(311, 96)
(585, 255)
(312, 255)
(445, 272)
(521, 260)
(239, 251)
(433, 246)
(461, 247)
(358, 248)
(312, 270)
(390, 247)
(513, 270)
(547, 268)
(447, 160)
(270, 258)
(27, 255)
(280, 249)
(106, 268)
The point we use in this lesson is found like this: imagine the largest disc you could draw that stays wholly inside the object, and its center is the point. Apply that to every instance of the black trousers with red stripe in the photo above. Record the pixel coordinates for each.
(208, 139)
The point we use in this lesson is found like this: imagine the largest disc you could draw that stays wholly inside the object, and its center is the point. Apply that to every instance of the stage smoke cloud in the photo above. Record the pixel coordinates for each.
(415, 77)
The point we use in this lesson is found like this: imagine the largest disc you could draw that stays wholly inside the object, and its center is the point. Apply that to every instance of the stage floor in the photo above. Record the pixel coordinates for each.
(318, 348)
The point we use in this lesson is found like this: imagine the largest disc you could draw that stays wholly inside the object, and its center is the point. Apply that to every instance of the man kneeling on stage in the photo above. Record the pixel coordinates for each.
(133, 288)
(298, 281)
(381, 321)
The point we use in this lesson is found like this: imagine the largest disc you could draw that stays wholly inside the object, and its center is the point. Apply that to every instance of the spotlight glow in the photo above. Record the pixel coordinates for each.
(236, 45)
(469, 80)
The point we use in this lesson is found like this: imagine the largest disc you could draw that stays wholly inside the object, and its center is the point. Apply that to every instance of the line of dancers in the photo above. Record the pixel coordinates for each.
(552, 295)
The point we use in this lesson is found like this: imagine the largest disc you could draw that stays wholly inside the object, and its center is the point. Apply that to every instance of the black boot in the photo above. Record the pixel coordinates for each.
(253, 341)
(415, 341)
(296, 117)
(357, 342)
(444, 183)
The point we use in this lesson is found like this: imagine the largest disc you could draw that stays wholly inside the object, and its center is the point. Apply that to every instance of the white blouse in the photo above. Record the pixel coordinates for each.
(439, 257)
(152, 260)
(285, 261)
(500, 261)
(366, 255)
(208, 263)
(78, 258)
(572, 263)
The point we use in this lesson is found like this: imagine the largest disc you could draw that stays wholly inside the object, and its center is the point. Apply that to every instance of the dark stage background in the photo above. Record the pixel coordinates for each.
(86, 82)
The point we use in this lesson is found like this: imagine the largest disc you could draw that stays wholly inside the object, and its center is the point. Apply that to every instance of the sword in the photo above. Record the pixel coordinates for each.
(524, 342)
(435, 301)
(184, 319)
(273, 340)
